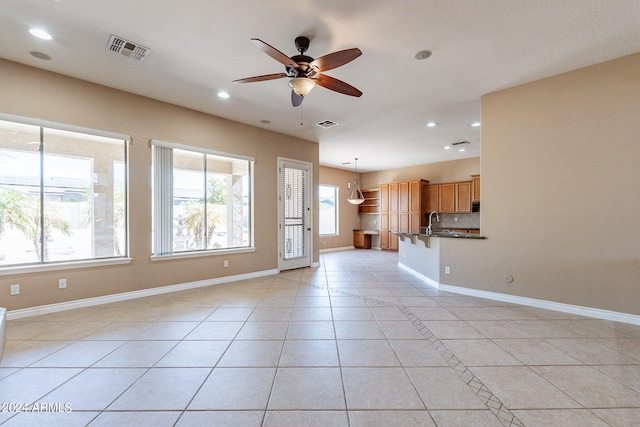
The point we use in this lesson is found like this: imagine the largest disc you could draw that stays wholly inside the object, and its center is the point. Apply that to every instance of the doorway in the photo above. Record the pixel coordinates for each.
(294, 214)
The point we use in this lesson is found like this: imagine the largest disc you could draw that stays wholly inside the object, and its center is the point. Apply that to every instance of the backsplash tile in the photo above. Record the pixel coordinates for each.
(447, 220)
(458, 220)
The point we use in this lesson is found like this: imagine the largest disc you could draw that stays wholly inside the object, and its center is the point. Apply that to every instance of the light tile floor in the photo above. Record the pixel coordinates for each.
(356, 342)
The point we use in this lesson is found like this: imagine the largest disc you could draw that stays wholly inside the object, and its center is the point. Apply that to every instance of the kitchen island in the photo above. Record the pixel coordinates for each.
(427, 256)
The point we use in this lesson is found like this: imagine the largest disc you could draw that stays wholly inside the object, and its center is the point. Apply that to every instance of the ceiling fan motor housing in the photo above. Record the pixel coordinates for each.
(302, 44)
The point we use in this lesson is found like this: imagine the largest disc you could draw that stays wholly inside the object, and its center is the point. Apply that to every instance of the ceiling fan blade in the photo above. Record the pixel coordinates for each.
(337, 85)
(335, 59)
(261, 78)
(296, 99)
(274, 53)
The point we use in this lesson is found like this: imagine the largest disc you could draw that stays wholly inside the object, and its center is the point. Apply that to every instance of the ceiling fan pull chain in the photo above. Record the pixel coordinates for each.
(301, 115)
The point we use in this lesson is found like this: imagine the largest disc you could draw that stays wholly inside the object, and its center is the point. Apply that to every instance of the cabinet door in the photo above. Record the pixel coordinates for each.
(403, 196)
(447, 194)
(432, 198)
(475, 188)
(393, 221)
(384, 221)
(384, 239)
(393, 242)
(393, 197)
(415, 196)
(358, 239)
(415, 222)
(403, 222)
(463, 196)
(384, 197)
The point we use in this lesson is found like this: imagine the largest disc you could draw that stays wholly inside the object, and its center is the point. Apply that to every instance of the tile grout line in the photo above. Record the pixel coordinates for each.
(490, 400)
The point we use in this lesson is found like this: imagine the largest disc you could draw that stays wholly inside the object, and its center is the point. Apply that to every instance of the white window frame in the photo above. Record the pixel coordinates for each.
(44, 266)
(336, 208)
(163, 200)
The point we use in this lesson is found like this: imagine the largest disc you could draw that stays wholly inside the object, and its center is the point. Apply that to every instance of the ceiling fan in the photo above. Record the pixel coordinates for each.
(305, 72)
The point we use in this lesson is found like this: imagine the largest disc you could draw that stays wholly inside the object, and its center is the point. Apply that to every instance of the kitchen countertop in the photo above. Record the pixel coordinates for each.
(373, 232)
(446, 234)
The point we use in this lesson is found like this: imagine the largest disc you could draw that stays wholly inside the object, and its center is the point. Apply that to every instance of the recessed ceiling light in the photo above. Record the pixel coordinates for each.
(448, 147)
(223, 95)
(41, 34)
(40, 55)
(432, 124)
(462, 150)
(475, 124)
(423, 54)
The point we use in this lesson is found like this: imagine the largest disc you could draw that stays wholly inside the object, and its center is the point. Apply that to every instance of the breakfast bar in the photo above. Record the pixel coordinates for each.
(420, 254)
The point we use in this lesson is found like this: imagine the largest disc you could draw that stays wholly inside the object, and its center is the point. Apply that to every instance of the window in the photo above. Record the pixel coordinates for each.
(202, 200)
(62, 193)
(328, 210)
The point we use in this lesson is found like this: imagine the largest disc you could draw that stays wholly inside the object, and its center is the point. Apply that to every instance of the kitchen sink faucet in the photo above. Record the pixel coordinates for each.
(429, 228)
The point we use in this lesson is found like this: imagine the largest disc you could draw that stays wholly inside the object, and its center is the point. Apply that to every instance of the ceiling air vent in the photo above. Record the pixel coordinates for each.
(131, 50)
(455, 144)
(327, 124)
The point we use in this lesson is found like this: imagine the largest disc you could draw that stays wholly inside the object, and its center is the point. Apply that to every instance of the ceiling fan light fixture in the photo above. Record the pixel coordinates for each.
(302, 85)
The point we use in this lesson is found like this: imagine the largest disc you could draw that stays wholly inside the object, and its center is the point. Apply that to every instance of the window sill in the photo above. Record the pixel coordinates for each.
(7, 271)
(183, 255)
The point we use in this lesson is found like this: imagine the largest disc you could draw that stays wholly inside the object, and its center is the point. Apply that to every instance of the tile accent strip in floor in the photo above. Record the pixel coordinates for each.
(492, 402)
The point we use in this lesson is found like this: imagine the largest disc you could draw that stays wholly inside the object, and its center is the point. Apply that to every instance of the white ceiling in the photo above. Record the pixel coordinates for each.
(199, 46)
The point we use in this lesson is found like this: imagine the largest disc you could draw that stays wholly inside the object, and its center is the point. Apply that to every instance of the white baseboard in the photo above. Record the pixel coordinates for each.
(429, 281)
(340, 249)
(89, 302)
(597, 313)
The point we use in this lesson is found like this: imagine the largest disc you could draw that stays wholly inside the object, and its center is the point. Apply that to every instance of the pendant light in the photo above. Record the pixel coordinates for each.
(355, 197)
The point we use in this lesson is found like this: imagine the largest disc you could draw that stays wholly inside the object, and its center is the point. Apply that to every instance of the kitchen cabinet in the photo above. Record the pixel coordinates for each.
(431, 197)
(475, 188)
(451, 197)
(463, 196)
(384, 216)
(361, 240)
(447, 197)
(402, 209)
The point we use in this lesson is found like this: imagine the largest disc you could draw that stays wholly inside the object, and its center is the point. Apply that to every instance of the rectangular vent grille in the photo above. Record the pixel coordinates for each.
(131, 50)
(460, 143)
(327, 124)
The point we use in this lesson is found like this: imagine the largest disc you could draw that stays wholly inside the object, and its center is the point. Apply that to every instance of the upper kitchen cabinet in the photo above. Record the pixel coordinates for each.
(475, 188)
(431, 197)
(451, 197)
(463, 196)
(447, 197)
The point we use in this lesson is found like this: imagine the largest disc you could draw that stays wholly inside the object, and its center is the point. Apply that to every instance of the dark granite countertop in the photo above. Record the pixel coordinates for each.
(447, 234)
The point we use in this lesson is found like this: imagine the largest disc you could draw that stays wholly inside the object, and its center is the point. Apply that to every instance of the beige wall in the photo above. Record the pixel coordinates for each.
(560, 191)
(455, 170)
(348, 213)
(30, 92)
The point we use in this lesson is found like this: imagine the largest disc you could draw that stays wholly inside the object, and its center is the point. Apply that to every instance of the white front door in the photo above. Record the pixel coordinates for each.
(294, 214)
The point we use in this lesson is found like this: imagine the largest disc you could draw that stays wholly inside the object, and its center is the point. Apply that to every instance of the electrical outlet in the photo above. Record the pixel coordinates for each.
(447, 269)
(62, 283)
(226, 263)
(15, 289)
